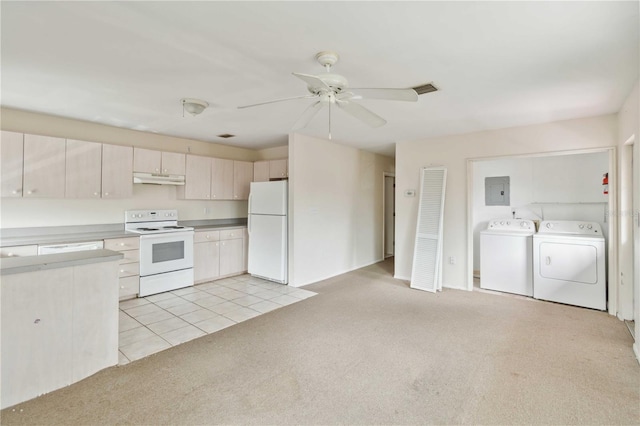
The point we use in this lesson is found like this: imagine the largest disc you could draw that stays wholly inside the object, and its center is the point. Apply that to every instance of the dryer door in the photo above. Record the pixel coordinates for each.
(569, 262)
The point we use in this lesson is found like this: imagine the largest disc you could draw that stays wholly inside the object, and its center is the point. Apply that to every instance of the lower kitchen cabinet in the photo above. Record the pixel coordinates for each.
(231, 252)
(58, 326)
(129, 268)
(206, 256)
(218, 254)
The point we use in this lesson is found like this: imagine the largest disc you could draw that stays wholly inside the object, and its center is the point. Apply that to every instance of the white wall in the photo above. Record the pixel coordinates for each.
(561, 187)
(336, 208)
(629, 168)
(452, 152)
(22, 213)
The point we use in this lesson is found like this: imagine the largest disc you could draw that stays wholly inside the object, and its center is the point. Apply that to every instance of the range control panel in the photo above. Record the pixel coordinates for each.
(570, 227)
(512, 224)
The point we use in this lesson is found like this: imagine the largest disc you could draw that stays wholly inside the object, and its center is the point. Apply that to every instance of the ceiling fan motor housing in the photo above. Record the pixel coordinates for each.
(336, 82)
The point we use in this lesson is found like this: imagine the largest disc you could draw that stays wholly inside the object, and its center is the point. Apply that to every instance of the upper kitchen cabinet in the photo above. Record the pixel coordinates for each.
(11, 158)
(278, 169)
(151, 161)
(117, 171)
(83, 169)
(242, 177)
(261, 171)
(44, 166)
(197, 178)
(221, 179)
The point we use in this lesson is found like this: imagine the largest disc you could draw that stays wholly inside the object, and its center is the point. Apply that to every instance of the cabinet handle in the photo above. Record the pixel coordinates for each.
(106, 194)
(17, 191)
(122, 244)
(95, 193)
(157, 169)
(214, 196)
(165, 170)
(31, 192)
(10, 255)
(207, 237)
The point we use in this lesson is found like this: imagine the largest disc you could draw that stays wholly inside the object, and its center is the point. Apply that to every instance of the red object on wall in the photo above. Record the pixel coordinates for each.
(605, 183)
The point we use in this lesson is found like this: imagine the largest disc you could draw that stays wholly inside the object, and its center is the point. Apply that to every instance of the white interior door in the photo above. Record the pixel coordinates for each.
(427, 255)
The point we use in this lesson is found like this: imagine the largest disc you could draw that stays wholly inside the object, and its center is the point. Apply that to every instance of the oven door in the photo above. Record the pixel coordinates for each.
(171, 251)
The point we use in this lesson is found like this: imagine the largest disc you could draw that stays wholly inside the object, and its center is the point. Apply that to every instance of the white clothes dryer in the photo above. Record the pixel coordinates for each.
(506, 256)
(569, 264)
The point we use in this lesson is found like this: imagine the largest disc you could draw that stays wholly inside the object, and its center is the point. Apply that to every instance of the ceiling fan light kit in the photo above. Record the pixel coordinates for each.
(193, 106)
(333, 89)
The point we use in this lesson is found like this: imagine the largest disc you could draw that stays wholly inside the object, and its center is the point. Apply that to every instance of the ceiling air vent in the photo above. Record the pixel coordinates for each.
(226, 136)
(425, 88)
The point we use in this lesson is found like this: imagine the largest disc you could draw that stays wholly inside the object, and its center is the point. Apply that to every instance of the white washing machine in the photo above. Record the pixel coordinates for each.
(506, 256)
(569, 264)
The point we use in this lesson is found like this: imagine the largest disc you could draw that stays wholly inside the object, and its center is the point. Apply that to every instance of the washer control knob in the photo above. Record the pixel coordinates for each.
(581, 226)
(549, 225)
(524, 224)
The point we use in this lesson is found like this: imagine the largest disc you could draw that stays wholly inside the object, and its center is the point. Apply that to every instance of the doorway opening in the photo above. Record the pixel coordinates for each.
(388, 215)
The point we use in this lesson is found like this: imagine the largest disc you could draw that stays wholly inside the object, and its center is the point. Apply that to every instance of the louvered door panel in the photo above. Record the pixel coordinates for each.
(427, 257)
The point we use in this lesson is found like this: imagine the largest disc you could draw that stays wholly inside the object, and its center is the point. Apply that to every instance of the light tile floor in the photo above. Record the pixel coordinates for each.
(154, 323)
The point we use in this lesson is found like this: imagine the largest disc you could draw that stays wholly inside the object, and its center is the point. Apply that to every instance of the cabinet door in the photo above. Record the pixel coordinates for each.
(197, 178)
(84, 169)
(278, 169)
(206, 261)
(221, 179)
(36, 333)
(231, 256)
(146, 160)
(173, 163)
(44, 166)
(11, 156)
(242, 177)
(261, 171)
(117, 171)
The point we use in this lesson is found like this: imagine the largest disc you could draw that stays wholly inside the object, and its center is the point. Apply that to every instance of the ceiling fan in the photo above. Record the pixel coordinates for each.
(333, 90)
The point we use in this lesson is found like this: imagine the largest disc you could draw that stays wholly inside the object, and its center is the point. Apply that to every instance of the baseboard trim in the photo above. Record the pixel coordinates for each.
(317, 280)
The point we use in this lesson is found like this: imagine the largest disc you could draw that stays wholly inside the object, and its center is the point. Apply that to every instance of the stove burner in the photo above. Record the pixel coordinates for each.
(148, 229)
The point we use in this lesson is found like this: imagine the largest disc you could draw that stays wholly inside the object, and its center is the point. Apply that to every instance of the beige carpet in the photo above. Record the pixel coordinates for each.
(369, 350)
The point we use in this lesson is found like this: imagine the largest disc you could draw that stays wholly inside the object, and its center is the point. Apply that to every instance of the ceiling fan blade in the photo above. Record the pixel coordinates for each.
(361, 113)
(307, 115)
(408, 95)
(277, 100)
(312, 81)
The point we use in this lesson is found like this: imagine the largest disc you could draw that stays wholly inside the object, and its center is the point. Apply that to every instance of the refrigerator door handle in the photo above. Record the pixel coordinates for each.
(249, 216)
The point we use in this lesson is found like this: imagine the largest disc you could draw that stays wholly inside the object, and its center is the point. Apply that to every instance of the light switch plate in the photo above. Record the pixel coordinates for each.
(410, 193)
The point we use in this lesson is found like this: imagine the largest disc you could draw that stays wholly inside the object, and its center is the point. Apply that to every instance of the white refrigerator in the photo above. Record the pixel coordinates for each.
(267, 225)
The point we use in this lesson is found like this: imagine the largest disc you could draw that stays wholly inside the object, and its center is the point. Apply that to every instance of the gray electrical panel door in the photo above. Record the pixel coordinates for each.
(496, 191)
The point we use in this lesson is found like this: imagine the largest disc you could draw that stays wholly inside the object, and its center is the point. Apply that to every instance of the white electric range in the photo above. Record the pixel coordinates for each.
(166, 250)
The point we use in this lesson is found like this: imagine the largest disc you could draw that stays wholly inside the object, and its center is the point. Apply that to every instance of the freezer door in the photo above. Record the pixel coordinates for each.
(268, 247)
(268, 198)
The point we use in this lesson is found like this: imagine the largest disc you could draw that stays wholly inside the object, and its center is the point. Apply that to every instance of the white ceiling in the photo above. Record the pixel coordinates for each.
(497, 64)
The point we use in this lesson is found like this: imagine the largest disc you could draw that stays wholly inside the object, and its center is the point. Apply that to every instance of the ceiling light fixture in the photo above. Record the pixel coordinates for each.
(193, 106)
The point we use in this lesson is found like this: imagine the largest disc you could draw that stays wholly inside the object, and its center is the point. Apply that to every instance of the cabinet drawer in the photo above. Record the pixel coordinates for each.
(130, 256)
(129, 287)
(19, 251)
(230, 234)
(129, 269)
(120, 244)
(204, 236)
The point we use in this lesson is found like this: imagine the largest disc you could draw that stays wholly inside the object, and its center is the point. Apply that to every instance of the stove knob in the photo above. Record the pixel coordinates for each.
(589, 226)
(502, 222)
(508, 223)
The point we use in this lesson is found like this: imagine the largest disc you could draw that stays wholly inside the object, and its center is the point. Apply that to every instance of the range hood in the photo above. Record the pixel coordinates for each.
(157, 179)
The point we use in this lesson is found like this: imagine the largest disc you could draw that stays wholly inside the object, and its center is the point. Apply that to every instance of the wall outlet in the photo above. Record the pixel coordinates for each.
(452, 260)
(207, 210)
